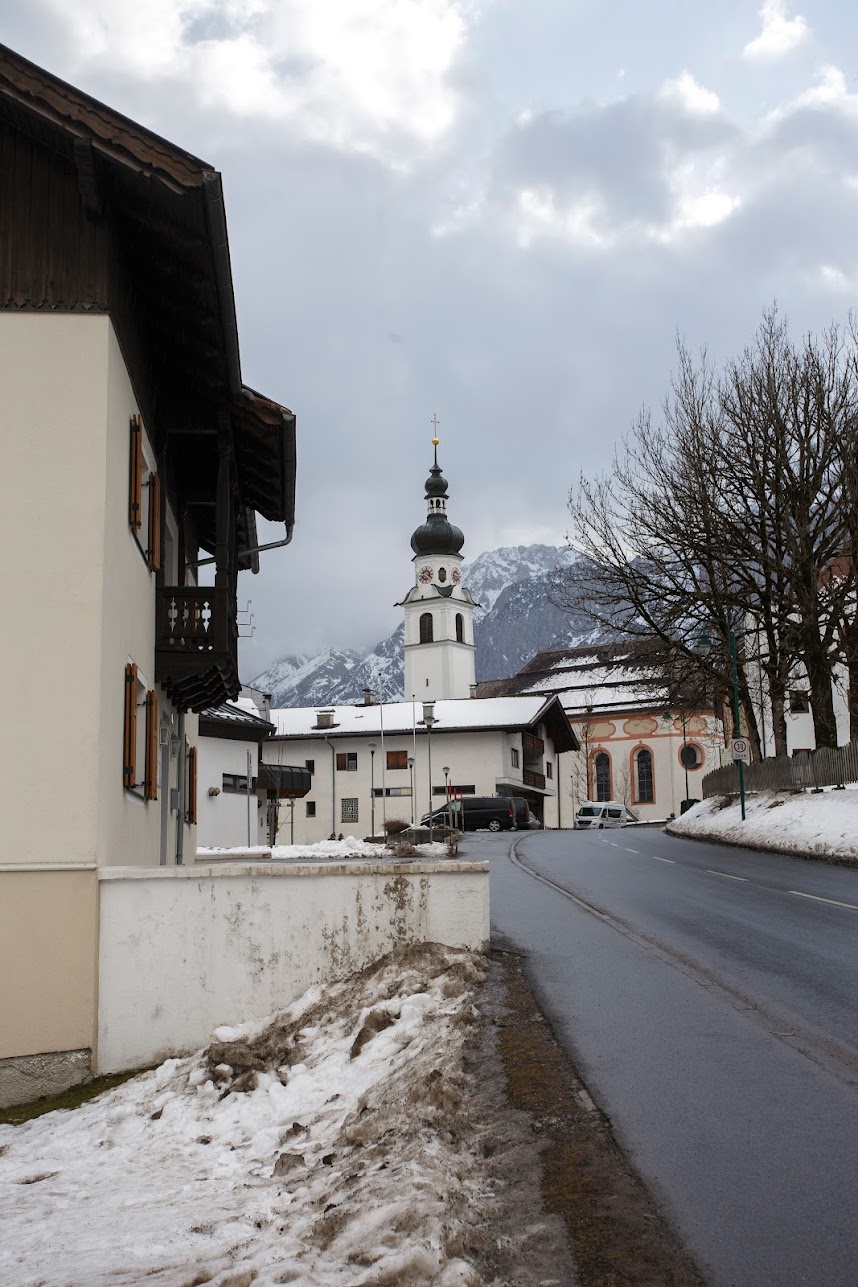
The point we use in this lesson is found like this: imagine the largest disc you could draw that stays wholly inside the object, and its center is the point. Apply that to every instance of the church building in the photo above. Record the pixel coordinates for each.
(376, 761)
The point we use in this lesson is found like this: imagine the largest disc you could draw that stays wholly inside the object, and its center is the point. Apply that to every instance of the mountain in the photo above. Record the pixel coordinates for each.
(515, 620)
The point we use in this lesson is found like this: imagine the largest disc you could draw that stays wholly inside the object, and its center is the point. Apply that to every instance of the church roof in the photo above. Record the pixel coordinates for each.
(437, 535)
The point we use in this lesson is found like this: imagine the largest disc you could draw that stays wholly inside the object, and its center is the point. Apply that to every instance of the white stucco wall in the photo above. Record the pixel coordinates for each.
(222, 818)
(185, 950)
(478, 759)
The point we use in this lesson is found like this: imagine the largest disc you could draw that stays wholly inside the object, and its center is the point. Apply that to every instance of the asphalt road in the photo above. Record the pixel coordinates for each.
(709, 999)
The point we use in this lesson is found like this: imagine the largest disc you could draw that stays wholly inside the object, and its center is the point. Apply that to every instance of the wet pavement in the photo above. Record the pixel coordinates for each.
(709, 1000)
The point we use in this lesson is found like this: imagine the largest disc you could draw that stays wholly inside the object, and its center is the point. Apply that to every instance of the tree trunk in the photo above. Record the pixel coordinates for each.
(821, 702)
(778, 704)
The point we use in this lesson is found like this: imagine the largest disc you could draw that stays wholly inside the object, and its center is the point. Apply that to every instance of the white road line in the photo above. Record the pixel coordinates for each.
(726, 875)
(631, 851)
(670, 860)
(816, 898)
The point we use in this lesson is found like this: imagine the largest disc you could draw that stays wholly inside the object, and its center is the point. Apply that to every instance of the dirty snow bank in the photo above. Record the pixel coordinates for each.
(322, 1148)
(814, 826)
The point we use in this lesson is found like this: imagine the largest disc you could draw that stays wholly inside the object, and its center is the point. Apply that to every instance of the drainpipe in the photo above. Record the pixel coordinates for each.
(254, 549)
(333, 785)
(180, 814)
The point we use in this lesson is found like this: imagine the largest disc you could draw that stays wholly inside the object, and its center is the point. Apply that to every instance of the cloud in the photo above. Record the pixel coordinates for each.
(690, 95)
(363, 75)
(779, 33)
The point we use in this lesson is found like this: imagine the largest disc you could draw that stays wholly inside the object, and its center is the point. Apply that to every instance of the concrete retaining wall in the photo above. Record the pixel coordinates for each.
(183, 950)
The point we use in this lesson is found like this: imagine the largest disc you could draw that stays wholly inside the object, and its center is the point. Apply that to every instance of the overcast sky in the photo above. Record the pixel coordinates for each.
(499, 210)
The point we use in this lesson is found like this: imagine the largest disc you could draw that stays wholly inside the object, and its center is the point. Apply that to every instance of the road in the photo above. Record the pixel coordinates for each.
(709, 999)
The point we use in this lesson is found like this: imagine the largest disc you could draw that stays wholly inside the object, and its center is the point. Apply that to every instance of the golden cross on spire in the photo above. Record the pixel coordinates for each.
(435, 422)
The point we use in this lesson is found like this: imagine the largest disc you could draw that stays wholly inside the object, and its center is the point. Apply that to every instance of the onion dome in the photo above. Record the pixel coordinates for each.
(437, 535)
(436, 483)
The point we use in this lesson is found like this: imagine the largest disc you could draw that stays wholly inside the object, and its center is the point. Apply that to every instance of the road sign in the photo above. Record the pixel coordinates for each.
(741, 749)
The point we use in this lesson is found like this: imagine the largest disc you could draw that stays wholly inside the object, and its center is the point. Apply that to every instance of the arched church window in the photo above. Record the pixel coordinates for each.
(442, 575)
(460, 628)
(426, 635)
(602, 775)
(643, 774)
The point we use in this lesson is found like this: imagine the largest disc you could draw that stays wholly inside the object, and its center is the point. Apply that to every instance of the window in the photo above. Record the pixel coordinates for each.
(397, 759)
(310, 808)
(455, 789)
(514, 757)
(389, 791)
(349, 810)
(442, 575)
(347, 761)
(798, 702)
(310, 766)
(643, 768)
(602, 775)
(144, 519)
(691, 757)
(140, 737)
(426, 635)
(549, 769)
(460, 628)
(235, 782)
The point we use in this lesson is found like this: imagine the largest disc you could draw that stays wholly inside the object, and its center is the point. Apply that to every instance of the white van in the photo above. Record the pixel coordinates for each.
(600, 813)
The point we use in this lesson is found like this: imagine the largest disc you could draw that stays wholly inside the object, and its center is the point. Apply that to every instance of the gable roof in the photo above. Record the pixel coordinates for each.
(608, 677)
(452, 716)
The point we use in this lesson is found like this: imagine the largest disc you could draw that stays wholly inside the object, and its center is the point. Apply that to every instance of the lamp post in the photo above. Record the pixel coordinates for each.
(446, 772)
(411, 780)
(429, 720)
(704, 645)
(372, 749)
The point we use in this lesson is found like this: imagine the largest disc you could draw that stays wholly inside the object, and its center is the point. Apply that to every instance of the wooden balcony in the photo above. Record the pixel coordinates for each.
(529, 778)
(532, 745)
(196, 646)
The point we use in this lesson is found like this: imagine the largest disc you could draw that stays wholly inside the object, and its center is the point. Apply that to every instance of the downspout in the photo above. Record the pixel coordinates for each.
(180, 818)
(333, 786)
(254, 549)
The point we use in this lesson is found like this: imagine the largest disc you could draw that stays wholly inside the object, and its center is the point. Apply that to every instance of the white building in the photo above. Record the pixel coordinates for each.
(636, 747)
(439, 610)
(129, 447)
(372, 762)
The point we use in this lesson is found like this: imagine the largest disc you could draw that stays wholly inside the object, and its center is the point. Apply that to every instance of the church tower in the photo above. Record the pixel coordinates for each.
(439, 610)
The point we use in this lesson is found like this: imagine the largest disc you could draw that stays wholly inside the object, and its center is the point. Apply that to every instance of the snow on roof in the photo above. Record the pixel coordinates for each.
(401, 717)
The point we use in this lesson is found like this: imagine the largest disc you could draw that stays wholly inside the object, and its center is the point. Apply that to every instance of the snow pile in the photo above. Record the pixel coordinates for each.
(328, 851)
(330, 1146)
(821, 826)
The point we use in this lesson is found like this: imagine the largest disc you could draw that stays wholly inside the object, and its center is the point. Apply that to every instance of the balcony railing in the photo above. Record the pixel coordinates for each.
(529, 778)
(532, 745)
(196, 649)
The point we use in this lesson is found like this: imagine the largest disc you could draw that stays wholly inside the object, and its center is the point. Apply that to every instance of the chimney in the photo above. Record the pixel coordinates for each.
(324, 719)
(473, 689)
(368, 697)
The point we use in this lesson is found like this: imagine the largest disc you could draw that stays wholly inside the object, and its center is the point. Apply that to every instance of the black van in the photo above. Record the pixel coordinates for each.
(497, 812)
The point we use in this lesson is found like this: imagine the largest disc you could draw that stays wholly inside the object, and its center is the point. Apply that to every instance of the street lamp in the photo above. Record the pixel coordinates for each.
(411, 780)
(429, 720)
(446, 772)
(704, 645)
(372, 750)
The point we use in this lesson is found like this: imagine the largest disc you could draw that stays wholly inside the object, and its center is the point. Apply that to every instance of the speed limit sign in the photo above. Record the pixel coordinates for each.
(741, 749)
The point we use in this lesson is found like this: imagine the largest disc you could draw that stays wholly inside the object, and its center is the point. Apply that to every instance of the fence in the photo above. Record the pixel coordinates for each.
(830, 766)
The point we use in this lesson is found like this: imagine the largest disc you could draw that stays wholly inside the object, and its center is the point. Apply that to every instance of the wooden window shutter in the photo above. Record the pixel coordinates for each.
(153, 554)
(342, 760)
(129, 746)
(150, 780)
(191, 812)
(135, 485)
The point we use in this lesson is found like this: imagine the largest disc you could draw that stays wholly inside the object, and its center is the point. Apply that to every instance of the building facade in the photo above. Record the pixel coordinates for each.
(132, 456)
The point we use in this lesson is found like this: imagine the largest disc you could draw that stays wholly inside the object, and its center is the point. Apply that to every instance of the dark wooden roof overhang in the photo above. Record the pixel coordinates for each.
(160, 211)
(556, 721)
(234, 724)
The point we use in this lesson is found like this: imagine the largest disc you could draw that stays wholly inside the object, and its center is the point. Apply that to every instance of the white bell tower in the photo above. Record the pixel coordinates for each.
(439, 610)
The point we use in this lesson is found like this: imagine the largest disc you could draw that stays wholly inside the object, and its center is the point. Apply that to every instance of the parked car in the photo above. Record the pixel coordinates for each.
(600, 813)
(496, 812)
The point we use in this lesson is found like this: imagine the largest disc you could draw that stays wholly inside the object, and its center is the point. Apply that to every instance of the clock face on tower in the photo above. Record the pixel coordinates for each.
(456, 576)
(425, 574)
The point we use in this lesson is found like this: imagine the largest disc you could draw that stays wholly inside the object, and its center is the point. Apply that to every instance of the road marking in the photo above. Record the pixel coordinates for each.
(631, 851)
(816, 898)
(670, 860)
(726, 875)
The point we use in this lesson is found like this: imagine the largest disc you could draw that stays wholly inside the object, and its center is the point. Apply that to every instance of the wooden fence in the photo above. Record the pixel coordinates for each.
(808, 770)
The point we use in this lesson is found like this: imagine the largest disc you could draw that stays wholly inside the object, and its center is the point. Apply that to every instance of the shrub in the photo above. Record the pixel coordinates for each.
(393, 826)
